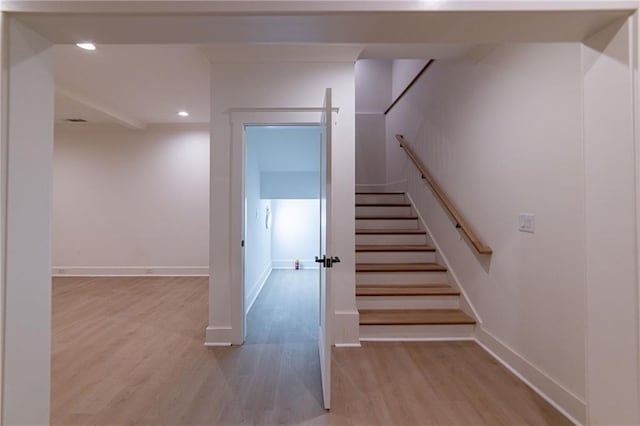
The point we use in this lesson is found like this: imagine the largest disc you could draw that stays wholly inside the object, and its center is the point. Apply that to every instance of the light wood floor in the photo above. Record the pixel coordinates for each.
(130, 351)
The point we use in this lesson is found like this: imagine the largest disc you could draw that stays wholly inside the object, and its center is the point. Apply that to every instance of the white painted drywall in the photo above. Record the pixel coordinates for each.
(373, 96)
(373, 85)
(611, 212)
(4, 42)
(27, 316)
(404, 70)
(290, 185)
(126, 201)
(296, 232)
(283, 85)
(286, 148)
(501, 131)
(257, 249)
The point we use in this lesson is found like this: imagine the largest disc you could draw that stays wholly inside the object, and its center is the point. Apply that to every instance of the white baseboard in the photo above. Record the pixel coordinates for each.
(565, 401)
(289, 264)
(346, 332)
(218, 335)
(217, 344)
(398, 186)
(262, 280)
(130, 271)
(348, 345)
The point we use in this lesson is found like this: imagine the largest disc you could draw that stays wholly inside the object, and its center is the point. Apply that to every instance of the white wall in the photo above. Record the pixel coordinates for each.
(502, 134)
(404, 70)
(131, 201)
(302, 185)
(3, 166)
(257, 249)
(279, 84)
(373, 96)
(613, 381)
(295, 232)
(28, 143)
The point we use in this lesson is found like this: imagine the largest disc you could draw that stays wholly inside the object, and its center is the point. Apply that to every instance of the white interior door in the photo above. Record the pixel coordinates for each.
(326, 262)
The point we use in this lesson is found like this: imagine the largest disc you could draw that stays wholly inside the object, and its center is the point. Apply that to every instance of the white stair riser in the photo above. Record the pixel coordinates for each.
(386, 278)
(416, 332)
(408, 302)
(380, 198)
(383, 211)
(391, 239)
(387, 224)
(396, 257)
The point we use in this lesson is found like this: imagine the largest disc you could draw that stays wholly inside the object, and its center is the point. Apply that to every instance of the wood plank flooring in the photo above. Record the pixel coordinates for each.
(130, 351)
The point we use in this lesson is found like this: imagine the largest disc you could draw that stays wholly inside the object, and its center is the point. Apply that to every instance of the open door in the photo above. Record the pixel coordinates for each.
(325, 259)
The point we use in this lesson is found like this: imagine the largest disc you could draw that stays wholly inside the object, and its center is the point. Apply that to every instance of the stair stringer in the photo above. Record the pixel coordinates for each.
(465, 303)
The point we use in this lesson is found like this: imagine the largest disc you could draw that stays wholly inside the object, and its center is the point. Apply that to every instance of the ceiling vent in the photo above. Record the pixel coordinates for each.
(75, 120)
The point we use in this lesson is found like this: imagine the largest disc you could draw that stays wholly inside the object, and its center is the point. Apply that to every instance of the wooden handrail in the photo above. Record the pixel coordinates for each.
(442, 197)
(406, 89)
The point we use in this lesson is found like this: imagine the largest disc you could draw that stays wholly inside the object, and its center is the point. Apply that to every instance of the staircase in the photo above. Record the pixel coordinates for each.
(402, 291)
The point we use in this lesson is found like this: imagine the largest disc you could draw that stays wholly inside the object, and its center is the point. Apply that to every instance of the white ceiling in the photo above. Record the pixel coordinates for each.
(132, 85)
(285, 148)
(135, 85)
(149, 82)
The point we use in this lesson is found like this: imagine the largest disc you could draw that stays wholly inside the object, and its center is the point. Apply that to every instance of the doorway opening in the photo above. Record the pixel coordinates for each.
(281, 234)
(281, 240)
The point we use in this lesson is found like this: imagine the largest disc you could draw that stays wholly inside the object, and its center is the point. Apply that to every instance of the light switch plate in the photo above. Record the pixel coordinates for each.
(527, 222)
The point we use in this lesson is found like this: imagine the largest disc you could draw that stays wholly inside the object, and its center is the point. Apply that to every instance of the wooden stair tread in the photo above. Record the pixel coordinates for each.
(406, 290)
(379, 193)
(386, 217)
(400, 267)
(390, 231)
(378, 204)
(399, 247)
(414, 317)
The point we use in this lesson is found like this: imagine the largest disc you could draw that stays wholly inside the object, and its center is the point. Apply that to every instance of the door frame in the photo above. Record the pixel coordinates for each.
(241, 118)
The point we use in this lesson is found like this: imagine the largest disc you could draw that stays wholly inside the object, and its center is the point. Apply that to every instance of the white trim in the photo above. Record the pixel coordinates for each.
(284, 109)
(288, 6)
(262, 280)
(348, 345)
(450, 271)
(533, 377)
(417, 339)
(217, 344)
(289, 264)
(346, 327)
(400, 185)
(240, 118)
(130, 271)
(4, 139)
(635, 60)
(216, 335)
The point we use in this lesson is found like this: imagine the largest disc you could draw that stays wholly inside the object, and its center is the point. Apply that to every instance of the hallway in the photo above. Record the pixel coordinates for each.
(129, 351)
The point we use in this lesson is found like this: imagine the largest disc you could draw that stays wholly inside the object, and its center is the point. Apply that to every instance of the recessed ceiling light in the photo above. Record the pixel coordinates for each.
(86, 45)
(183, 114)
